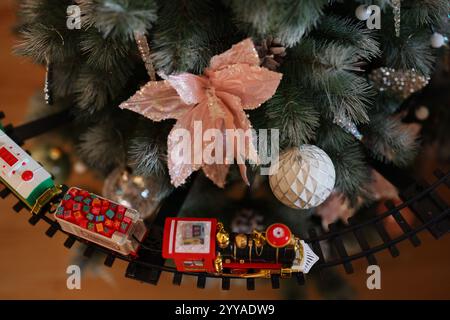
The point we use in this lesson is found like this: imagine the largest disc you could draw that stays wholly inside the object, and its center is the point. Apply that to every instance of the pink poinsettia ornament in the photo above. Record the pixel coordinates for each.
(216, 100)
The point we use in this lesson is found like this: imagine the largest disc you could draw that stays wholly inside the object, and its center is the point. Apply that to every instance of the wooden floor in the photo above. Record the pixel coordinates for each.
(32, 266)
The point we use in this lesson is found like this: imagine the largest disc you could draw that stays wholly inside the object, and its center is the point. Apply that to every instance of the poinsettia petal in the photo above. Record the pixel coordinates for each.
(190, 87)
(157, 100)
(253, 85)
(217, 173)
(242, 52)
(180, 158)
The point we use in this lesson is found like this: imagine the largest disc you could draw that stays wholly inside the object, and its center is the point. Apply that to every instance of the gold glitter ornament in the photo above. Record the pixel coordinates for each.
(396, 10)
(144, 49)
(48, 88)
(401, 83)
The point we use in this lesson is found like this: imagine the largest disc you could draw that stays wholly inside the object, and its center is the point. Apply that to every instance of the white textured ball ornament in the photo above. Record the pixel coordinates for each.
(437, 40)
(302, 177)
(363, 12)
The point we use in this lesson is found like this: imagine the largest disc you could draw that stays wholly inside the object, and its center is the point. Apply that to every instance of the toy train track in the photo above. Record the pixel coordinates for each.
(421, 199)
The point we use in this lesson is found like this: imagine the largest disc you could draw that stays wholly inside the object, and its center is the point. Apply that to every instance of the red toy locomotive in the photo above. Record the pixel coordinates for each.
(203, 245)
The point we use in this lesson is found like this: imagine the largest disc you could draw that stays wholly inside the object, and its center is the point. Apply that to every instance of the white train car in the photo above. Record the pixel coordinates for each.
(101, 221)
(21, 174)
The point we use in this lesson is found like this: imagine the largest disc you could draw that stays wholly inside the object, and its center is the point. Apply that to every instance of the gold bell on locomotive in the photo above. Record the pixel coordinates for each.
(222, 236)
(241, 240)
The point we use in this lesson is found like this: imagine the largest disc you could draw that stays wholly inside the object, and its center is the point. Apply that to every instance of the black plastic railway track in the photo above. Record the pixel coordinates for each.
(420, 199)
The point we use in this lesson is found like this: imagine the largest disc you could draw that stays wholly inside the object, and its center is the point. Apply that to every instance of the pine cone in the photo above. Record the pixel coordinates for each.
(271, 53)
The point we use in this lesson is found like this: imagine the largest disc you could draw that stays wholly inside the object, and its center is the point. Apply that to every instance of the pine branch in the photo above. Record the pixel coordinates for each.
(287, 20)
(96, 89)
(102, 146)
(343, 31)
(64, 77)
(188, 34)
(39, 11)
(424, 12)
(411, 50)
(390, 140)
(119, 19)
(107, 54)
(352, 172)
(326, 69)
(42, 41)
(147, 150)
(294, 114)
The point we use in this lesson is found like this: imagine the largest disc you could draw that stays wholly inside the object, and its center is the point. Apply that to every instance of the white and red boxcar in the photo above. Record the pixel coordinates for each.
(101, 221)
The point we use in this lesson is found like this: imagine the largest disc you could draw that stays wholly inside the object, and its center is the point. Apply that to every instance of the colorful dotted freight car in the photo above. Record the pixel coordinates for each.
(101, 221)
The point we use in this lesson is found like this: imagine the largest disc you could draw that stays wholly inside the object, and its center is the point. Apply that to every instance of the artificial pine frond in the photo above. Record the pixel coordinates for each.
(348, 93)
(390, 140)
(287, 20)
(424, 12)
(147, 157)
(410, 51)
(106, 54)
(386, 102)
(94, 89)
(294, 114)
(383, 4)
(102, 146)
(63, 78)
(352, 172)
(345, 31)
(326, 70)
(38, 11)
(119, 19)
(147, 150)
(188, 34)
(42, 41)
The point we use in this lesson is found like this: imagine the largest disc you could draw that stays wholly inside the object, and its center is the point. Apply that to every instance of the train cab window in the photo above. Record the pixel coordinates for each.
(194, 237)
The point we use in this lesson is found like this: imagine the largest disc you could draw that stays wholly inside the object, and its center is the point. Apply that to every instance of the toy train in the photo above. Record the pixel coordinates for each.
(22, 175)
(196, 245)
(101, 221)
(203, 245)
(79, 212)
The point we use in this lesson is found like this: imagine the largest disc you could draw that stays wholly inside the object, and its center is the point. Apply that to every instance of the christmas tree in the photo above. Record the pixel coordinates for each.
(327, 77)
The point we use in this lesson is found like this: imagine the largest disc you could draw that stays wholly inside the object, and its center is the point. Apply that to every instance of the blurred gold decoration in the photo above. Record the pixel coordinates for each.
(422, 113)
(401, 83)
(241, 240)
(79, 167)
(258, 239)
(55, 153)
(218, 265)
(54, 159)
(222, 236)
